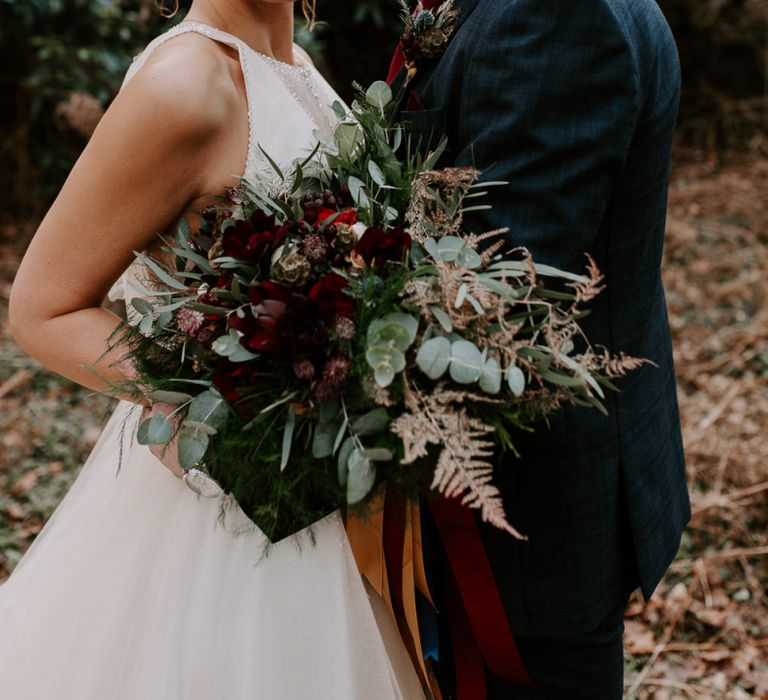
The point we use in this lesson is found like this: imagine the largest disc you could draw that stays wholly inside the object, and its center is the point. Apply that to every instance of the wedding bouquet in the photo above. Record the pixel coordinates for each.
(320, 334)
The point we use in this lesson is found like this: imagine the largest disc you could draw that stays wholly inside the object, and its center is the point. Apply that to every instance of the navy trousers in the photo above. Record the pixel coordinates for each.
(584, 666)
(587, 667)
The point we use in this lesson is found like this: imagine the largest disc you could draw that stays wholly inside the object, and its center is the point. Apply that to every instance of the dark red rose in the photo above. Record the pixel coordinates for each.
(328, 296)
(254, 237)
(274, 321)
(226, 384)
(378, 246)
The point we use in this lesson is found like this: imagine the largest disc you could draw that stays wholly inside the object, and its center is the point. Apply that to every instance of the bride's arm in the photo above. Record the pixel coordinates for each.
(149, 157)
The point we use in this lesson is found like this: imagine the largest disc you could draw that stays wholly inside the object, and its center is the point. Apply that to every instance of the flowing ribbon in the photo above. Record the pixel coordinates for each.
(387, 545)
(482, 633)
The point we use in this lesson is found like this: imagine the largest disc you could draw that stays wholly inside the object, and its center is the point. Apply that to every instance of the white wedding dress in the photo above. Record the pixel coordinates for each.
(135, 590)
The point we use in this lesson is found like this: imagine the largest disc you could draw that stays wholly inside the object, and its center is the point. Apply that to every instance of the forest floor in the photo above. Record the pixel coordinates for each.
(704, 633)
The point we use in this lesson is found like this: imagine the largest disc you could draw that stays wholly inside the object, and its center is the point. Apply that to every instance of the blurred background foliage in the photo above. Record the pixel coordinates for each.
(63, 61)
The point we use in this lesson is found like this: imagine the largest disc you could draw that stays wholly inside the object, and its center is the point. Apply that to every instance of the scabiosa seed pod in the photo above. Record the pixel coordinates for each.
(304, 370)
(346, 238)
(238, 194)
(215, 251)
(345, 328)
(209, 213)
(314, 248)
(335, 375)
(292, 269)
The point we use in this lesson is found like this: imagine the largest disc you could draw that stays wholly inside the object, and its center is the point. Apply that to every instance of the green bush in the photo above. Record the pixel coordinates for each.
(63, 61)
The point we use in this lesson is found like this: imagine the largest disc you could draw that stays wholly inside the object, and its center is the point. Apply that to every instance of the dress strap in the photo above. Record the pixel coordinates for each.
(224, 38)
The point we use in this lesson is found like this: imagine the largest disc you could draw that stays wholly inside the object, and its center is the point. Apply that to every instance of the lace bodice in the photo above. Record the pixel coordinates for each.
(289, 108)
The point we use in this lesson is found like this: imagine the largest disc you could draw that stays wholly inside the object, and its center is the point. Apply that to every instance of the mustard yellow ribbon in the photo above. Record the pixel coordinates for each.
(366, 537)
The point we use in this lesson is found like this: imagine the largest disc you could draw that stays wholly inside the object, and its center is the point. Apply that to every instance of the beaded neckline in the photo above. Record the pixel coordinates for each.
(211, 31)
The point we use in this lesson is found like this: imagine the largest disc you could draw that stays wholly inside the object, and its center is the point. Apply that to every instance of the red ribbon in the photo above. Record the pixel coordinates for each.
(484, 627)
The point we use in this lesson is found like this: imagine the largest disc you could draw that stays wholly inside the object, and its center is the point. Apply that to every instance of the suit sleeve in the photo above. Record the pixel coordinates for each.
(549, 104)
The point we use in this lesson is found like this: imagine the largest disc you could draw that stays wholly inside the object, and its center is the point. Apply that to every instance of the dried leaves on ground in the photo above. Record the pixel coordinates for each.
(705, 632)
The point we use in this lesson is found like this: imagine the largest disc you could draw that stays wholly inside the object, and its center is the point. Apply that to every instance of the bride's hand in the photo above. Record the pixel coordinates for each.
(167, 454)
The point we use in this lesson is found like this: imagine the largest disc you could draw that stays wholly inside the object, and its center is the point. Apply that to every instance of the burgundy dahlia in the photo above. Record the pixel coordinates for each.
(328, 296)
(378, 246)
(252, 238)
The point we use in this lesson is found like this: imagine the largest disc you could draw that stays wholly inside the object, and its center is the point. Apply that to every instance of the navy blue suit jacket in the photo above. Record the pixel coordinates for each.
(574, 103)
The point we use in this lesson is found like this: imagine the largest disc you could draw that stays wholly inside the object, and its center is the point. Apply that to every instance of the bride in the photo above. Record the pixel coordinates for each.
(135, 589)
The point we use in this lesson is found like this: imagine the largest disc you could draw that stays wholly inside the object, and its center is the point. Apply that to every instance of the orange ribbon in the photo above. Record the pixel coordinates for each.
(366, 537)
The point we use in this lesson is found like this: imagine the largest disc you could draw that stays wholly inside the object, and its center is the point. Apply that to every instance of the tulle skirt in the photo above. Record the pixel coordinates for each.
(139, 589)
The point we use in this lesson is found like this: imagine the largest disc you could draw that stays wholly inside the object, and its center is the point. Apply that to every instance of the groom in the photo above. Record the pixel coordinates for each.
(573, 103)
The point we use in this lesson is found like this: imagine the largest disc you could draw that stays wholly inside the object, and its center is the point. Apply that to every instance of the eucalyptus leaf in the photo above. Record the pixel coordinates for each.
(442, 318)
(342, 463)
(339, 110)
(323, 439)
(384, 376)
(399, 328)
(165, 276)
(490, 378)
(469, 258)
(209, 407)
(376, 174)
(156, 430)
(372, 423)
(434, 357)
(348, 138)
(516, 380)
(379, 94)
(328, 410)
(430, 245)
(361, 477)
(466, 362)
(450, 247)
(146, 324)
(172, 397)
(290, 426)
(562, 379)
(461, 295)
(340, 433)
(142, 306)
(193, 444)
(164, 319)
(202, 427)
(378, 454)
(356, 187)
(385, 356)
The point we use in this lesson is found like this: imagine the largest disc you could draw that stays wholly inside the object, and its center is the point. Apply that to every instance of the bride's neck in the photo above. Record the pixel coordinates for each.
(266, 27)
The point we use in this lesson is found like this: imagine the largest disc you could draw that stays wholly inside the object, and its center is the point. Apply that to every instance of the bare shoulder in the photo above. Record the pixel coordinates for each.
(187, 86)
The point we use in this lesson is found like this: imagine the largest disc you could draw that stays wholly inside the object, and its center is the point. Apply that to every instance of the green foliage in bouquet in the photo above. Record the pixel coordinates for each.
(323, 335)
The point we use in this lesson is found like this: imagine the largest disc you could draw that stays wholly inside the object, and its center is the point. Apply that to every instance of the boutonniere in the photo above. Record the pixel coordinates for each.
(427, 32)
